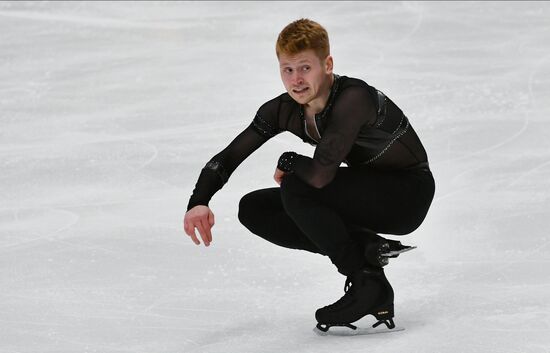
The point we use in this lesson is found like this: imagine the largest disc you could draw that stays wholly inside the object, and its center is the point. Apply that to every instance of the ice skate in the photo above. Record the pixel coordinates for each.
(394, 248)
(378, 251)
(367, 292)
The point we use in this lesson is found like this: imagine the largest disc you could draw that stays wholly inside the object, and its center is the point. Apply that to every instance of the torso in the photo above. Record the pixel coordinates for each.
(311, 127)
(386, 141)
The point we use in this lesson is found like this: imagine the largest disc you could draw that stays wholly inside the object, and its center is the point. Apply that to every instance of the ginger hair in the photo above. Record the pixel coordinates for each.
(301, 35)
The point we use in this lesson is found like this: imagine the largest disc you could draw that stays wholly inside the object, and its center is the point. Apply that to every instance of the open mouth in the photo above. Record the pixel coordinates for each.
(301, 90)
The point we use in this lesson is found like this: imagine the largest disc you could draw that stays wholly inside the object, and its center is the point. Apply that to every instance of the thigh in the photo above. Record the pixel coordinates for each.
(257, 208)
(392, 202)
(262, 212)
(263, 200)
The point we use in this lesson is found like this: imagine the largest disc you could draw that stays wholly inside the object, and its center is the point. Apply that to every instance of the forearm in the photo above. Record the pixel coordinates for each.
(212, 178)
(307, 169)
(217, 171)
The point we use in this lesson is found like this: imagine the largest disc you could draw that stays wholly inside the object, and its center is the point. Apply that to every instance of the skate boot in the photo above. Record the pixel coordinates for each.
(367, 292)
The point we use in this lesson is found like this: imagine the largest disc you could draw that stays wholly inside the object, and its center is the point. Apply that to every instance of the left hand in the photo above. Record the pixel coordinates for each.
(279, 174)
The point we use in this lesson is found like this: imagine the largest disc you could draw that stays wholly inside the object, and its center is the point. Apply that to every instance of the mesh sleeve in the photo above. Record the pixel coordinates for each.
(352, 109)
(219, 168)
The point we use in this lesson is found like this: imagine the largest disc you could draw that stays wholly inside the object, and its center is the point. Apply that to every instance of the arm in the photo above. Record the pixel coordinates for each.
(217, 172)
(352, 109)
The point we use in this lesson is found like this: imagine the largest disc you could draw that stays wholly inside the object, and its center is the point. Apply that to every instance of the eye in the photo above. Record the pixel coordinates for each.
(306, 68)
(287, 70)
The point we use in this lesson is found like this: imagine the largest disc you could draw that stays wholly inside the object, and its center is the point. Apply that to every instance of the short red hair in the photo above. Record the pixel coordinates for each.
(302, 35)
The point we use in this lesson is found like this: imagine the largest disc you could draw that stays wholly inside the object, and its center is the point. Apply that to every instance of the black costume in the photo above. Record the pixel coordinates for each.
(321, 206)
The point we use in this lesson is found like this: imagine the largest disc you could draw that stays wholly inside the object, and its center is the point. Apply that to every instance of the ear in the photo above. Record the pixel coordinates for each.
(329, 64)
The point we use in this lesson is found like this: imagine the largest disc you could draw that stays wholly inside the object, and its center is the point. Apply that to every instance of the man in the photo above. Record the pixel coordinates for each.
(322, 206)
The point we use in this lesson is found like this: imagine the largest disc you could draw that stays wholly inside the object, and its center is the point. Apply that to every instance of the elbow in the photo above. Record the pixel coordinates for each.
(320, 183)
(323, 178)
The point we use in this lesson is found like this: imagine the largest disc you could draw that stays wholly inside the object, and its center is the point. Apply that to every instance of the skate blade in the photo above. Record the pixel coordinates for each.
(360, 331)
(397, 252)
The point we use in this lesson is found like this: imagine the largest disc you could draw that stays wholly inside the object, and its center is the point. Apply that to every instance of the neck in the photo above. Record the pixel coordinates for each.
(318, 104)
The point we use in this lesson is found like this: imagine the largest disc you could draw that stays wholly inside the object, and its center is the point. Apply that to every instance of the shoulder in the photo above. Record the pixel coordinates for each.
(280, 108)
(355, 89)
(271, 117)
(355, 84)
(275, 104)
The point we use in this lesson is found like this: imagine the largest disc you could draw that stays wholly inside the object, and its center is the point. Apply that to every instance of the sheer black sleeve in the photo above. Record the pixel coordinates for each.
(219, 168)
(352, 109)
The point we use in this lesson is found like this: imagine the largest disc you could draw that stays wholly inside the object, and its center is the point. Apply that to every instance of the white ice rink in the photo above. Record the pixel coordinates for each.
(108, 111)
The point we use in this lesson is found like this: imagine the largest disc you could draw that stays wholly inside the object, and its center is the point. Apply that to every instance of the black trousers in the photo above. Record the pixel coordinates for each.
(336, 219)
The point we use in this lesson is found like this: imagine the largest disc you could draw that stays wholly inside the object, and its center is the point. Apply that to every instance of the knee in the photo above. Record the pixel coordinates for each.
(246, 207)
(254, 207)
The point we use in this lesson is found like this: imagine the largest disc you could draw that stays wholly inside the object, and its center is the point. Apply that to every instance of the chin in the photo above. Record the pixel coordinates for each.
(301, 100)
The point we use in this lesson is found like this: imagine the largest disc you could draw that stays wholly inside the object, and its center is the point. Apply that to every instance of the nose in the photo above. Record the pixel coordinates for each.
(297, 78)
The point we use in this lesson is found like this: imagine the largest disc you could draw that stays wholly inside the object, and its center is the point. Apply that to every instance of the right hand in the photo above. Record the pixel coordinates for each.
(199, 217)
(278, 176)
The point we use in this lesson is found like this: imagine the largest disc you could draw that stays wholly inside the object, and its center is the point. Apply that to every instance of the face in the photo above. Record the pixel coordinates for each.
(305, 76)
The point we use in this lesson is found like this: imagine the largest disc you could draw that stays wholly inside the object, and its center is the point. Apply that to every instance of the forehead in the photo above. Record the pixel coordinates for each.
(304, 57)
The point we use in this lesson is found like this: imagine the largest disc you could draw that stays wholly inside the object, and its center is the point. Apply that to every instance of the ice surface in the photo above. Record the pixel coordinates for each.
(108, 111)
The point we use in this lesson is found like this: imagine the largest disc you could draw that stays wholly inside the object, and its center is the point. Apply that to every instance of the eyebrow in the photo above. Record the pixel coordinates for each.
(304, 61)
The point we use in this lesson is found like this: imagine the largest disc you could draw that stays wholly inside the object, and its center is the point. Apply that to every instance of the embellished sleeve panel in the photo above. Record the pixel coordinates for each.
(264, 127)
(266, 122)
(218, 168)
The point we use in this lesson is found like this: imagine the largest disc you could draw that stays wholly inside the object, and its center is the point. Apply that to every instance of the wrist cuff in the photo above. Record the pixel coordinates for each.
(286, 162)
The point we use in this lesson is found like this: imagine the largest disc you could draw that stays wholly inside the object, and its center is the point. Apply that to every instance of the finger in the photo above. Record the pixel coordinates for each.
(211, 219)
(202, 232)
(186, 227)
(208, 231)
(193, 236)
